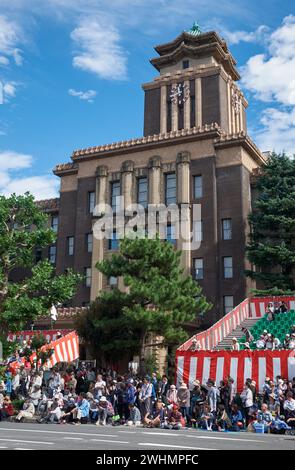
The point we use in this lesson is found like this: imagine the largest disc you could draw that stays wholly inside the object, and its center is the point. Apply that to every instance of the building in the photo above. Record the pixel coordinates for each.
(194, 149)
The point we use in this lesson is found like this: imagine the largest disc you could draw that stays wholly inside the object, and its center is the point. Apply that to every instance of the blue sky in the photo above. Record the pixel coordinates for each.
(71, 74)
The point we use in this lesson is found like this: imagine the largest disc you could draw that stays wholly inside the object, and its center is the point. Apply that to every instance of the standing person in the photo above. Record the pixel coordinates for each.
(145, 396)
(247, 401)
(163, 389)
(235, 345)
(224, 392)
(100, 387)
(172, 395)
(15, 383)
(183, 399)
(212, 396)
(130, 397)
(248, 335)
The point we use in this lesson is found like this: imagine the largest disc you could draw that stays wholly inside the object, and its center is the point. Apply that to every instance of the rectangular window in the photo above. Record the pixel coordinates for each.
(91, 201)
(227, 267)
(198, 230)
(185, 64)
(142, 191)
(170, 234)
(113, 242)
(170, 189)
(113, 281)
(54, 223)
(115, 192)
(87, 274)
(89, 242)
(228, 303)
(52, 254)
(70, 244)
(226, 229)
(198, 268)
(38, 255)
(198, 187)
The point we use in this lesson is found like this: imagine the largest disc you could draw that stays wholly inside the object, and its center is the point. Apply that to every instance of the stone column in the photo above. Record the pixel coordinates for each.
(163, 125)
(229, 105)
(183, 199)
(127, 171)
(98, 245)
(174, 111)
(232, 107)
(198, 104)
(187, 109)
(155, 176)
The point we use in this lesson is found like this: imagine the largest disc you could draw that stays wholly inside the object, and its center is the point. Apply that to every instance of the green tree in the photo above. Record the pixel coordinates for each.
(158, 298)
(23, 228)
(271, 249)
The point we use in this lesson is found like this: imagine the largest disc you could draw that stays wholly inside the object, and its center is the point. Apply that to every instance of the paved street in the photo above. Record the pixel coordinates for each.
(20, 436)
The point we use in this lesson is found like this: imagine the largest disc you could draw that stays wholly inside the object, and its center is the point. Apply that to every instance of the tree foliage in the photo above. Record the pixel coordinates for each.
(272, 241)
(157, 299)
(23, 228)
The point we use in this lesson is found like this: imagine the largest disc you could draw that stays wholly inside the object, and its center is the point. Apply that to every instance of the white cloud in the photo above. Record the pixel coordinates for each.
(83, 95)
(12, 180)
(270, 77)
(98, 49)
(11, 35)
(235, 37)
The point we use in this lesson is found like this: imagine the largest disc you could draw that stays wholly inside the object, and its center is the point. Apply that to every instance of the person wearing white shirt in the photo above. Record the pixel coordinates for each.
(235, 345)
(260, 343)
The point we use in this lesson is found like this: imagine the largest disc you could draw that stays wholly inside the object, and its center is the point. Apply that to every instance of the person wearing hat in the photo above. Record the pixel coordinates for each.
(28, 410)
(195, 346)
(235, 345)
(260, 343)
(134, 416)
(183, 399)
(286, 341)
(172, 395)
(105, 411)
(163, 388)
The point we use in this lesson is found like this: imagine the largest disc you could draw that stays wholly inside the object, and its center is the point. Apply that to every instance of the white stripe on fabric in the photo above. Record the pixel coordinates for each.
(65, 353)
(234, 371)
(253, 310)
(206, 369)
(276, 367)
(247, 368)
(261, 372)
(292, 305)
(179, 371)
(75, 346)
(291, 367)
(262, 308)
(69, 342)
(59, 353)
(219, 370)
(192, 371)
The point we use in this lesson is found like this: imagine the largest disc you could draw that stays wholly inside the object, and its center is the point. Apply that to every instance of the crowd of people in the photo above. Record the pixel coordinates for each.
(80, 395)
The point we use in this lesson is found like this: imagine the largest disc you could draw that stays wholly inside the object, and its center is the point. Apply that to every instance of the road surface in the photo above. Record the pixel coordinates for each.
(21, 436)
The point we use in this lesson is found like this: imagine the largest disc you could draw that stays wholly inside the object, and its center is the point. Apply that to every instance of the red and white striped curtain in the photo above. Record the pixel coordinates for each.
(239, 365)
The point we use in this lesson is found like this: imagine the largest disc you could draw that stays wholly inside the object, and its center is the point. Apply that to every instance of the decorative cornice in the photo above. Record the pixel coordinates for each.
(48, 205)
(144, 141)
(65, 168)
(243, 139)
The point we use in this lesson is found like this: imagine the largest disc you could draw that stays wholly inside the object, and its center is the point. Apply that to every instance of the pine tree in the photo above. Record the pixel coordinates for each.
(272, 240)
(158, 299)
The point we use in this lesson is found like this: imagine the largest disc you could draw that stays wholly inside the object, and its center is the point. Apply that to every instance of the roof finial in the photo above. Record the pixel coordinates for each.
(195, 29)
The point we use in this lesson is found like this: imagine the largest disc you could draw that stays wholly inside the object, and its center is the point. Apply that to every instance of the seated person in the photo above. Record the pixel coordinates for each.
(81, 410)
(289, 409)
(105, 410)
(156, 417)
(54, 414)
(28, 410)
(292, 342)
(174, 419)
(222, 419)
(7, 409)
(134, 415)
(260, 343)
(265, 417)
(236, 419)
(283, 307)
(279, 425)
(206, 419)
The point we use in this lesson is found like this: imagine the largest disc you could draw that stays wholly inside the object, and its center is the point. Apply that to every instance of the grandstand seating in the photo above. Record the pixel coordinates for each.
(281, 325)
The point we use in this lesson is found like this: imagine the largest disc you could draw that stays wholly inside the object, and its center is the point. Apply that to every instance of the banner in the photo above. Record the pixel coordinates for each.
(240, 365)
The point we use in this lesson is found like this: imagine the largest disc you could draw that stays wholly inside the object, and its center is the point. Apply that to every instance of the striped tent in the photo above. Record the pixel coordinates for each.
(218, 365)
